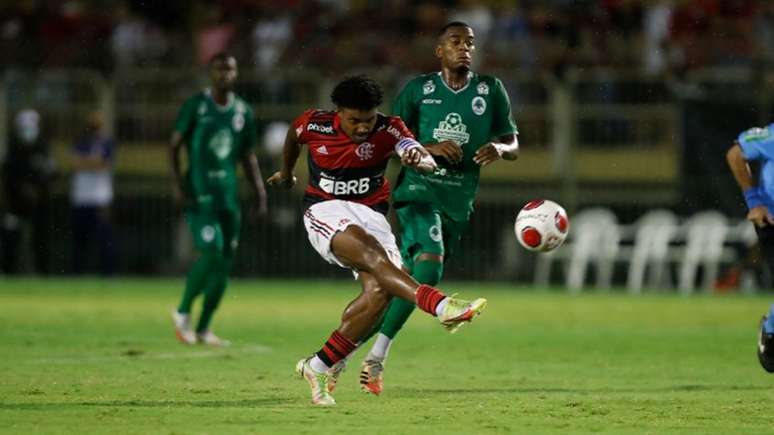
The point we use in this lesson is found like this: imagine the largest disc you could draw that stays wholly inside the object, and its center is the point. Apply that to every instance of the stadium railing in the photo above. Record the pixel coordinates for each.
(596, 137)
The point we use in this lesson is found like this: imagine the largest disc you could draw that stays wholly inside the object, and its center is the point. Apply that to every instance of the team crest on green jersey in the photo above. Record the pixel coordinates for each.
(221, 143)
(452, 128)
(429, 87)
(478, 105)
(238, 121)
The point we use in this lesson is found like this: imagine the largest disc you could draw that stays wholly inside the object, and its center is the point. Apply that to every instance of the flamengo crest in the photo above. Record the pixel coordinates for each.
(365, 151)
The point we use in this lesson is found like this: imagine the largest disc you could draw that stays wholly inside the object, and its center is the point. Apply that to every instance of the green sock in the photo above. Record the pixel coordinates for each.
(197, 280)
(399, 311)
(214, 293)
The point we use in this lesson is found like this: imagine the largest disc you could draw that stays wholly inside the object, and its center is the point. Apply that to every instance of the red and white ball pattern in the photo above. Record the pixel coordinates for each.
(541, 225)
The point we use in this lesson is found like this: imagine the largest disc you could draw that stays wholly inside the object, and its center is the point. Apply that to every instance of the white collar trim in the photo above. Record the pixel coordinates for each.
(470, 76)
(221, 108)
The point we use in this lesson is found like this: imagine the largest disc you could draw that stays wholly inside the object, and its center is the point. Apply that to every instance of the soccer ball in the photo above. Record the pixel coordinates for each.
(541, 225)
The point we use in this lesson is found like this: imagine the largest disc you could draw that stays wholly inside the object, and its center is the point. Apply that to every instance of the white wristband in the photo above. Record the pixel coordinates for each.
(500, 148)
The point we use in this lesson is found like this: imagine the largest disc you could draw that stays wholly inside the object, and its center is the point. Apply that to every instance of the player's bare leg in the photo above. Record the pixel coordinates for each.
(357, 249)
(362, 252)
(359, 318)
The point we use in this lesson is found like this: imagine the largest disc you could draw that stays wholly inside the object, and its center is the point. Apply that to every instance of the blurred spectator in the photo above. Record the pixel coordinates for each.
(27, 171)
(135, 41)
(656, 18)
(331, 36)
(91, 196)
(214, 36)
(479, 16)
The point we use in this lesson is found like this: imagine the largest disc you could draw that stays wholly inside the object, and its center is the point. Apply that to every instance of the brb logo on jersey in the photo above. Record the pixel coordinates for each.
(345, 187)
(452, 128)
(365, 151)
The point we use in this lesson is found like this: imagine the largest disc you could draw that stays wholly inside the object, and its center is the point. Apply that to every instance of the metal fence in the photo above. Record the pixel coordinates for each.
(592, 138)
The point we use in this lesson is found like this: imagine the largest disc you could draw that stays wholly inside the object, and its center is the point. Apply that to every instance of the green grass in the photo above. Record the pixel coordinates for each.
(100, 357)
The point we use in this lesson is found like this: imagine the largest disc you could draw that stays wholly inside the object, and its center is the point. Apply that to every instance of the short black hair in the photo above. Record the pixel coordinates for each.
(452, 24)
(357, 92)
(220, 56)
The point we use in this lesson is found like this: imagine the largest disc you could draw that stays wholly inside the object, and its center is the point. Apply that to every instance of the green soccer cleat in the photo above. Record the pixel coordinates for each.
(458, 311)
(318, 382)
(371, 379)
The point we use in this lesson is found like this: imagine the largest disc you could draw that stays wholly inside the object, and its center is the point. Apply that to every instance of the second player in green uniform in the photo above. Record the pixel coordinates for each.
(218, 130)
(464, 120)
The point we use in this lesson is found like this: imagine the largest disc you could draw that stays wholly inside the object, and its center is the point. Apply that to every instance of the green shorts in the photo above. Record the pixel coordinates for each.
(215, 230)
(426, 230)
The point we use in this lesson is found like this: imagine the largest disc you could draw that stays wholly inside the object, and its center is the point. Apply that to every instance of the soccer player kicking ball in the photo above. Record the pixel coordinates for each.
(464, 120)
(757, 144)
(347, 197)
(218, 131)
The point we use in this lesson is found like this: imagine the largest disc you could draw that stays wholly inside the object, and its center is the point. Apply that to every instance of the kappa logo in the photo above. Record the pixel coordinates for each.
(483, 89)
(320, 128)
(365, 151)
(452, 128)
(428, 88)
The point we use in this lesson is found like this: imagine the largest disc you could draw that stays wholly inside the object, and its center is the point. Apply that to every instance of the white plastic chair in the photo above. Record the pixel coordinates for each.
(705, 236)
(654, 230)
(594, 237)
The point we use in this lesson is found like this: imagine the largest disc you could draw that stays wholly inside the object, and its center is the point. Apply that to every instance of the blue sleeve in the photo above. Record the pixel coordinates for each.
(757, 143)
(82, 147)
(109, 150)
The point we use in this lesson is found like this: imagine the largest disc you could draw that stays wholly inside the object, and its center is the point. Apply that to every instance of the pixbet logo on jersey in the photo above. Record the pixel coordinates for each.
(324, 129)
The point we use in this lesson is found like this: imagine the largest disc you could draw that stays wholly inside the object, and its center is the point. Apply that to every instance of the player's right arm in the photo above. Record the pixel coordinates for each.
(183, 125)
(750, 146)
(290, 152)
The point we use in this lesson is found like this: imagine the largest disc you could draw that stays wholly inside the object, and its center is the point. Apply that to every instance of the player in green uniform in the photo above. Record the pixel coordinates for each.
(218, 131)
(464, 120)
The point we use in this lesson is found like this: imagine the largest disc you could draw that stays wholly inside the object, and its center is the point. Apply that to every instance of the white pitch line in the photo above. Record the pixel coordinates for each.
(251, 349)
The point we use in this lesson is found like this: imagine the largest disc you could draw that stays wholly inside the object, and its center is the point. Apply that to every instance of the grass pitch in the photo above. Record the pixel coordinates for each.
(100, 357)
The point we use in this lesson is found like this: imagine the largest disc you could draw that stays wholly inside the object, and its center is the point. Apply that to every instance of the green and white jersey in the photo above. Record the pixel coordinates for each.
(216, 138)
(471, 117)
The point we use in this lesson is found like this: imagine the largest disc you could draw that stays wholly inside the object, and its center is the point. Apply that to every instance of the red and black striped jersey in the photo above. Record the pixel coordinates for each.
(342, 169)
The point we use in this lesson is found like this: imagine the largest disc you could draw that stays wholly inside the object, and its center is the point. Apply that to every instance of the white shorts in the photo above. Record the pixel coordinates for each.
(324, 219)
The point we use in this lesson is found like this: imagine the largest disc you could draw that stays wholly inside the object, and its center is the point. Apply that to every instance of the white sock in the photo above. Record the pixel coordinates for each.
(380, 348)
(318, 365)
(441, 306)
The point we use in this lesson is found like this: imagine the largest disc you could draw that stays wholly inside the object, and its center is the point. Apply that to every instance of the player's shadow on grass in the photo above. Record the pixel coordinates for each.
(53, 406)
(549, 390)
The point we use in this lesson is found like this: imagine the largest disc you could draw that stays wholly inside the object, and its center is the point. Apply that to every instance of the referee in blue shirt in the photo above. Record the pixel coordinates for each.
(757, 144)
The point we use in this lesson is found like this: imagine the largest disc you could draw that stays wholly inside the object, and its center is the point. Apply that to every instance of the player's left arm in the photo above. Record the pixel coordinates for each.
(411, 152)
(506, 145)
(506, 148)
